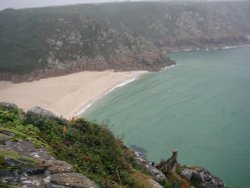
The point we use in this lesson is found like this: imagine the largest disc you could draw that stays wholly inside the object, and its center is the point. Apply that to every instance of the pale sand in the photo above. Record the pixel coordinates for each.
(65, 95)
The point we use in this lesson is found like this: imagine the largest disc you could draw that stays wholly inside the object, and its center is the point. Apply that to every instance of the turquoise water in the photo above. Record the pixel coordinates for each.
(200, 107)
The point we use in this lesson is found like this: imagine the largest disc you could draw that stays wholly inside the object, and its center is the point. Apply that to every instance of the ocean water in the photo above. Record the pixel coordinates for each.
(201, 107)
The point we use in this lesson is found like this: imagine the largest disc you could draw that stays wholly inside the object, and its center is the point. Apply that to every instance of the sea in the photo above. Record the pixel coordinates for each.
(201, 107)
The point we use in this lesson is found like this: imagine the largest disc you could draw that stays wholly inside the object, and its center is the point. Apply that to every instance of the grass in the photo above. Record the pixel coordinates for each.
(8, 186)
(89, 147)
(22, 160)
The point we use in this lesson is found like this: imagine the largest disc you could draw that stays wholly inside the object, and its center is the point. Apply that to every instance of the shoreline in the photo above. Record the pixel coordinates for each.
(71, 95)
(67, 95)
(124, 83)
(137, 76)
(168, 67)
(210, 49)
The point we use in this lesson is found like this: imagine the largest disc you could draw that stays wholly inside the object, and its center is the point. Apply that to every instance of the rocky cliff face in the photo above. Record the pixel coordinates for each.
(37, 43)
(39, 149)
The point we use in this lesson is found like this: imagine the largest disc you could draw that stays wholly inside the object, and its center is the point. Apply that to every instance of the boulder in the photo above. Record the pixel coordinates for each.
(36, 167)
(202, 177)
(153, 171)
(27, 149)
(157, 174)
(7, 106)
(75, 180)
(40, 112)
(187, 174)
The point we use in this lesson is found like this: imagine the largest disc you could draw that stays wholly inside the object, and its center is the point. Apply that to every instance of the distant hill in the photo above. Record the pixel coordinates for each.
(43, 42)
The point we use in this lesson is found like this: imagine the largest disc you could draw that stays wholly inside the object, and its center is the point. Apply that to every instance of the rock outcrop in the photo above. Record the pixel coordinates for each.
(148, 167)
(31, 167)
(40, 112)
(8, 106)
(168, 166)
(27, 160)
(199, 177)
(202, 177)
(27, 165)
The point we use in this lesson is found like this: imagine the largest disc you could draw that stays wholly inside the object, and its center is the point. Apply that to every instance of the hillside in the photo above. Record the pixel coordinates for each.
(38, 149)
(44, 42)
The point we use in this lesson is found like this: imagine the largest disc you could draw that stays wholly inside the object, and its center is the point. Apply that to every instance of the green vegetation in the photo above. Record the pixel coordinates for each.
(90, 148)
(29, 37)
(8, 186)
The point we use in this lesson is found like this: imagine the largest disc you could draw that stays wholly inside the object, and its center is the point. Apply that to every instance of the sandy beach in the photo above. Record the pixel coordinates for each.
(65, 95)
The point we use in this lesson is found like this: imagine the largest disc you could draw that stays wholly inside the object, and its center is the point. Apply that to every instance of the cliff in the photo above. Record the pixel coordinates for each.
(43, 42)
(38, 149)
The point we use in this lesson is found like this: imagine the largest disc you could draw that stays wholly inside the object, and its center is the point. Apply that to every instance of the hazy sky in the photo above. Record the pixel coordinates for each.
(41, 3)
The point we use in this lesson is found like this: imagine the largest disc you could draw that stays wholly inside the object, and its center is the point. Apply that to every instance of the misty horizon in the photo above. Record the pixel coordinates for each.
(19, 4)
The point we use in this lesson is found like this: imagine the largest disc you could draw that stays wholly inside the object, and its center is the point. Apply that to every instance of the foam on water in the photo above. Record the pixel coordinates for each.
(83, 110)
(201, 107)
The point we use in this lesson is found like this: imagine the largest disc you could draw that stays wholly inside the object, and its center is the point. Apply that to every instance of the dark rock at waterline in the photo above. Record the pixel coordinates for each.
(197, 176)
(202, 177)
(140, 151)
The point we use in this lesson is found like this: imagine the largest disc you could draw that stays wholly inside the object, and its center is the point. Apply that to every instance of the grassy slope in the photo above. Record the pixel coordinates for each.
(90, 148)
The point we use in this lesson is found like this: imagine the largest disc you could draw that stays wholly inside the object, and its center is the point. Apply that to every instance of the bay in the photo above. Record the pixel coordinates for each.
(201, 107)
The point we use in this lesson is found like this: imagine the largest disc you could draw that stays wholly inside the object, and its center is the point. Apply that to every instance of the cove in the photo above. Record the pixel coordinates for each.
(201, 107)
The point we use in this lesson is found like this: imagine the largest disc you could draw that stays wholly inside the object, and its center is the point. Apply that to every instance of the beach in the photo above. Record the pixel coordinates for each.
(65, 96)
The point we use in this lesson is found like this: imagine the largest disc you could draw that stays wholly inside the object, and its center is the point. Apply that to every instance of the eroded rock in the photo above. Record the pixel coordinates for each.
(168, 166)
(202, 177)
(56, 166)
(153, 171)
(30, 167)
(72, 180)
